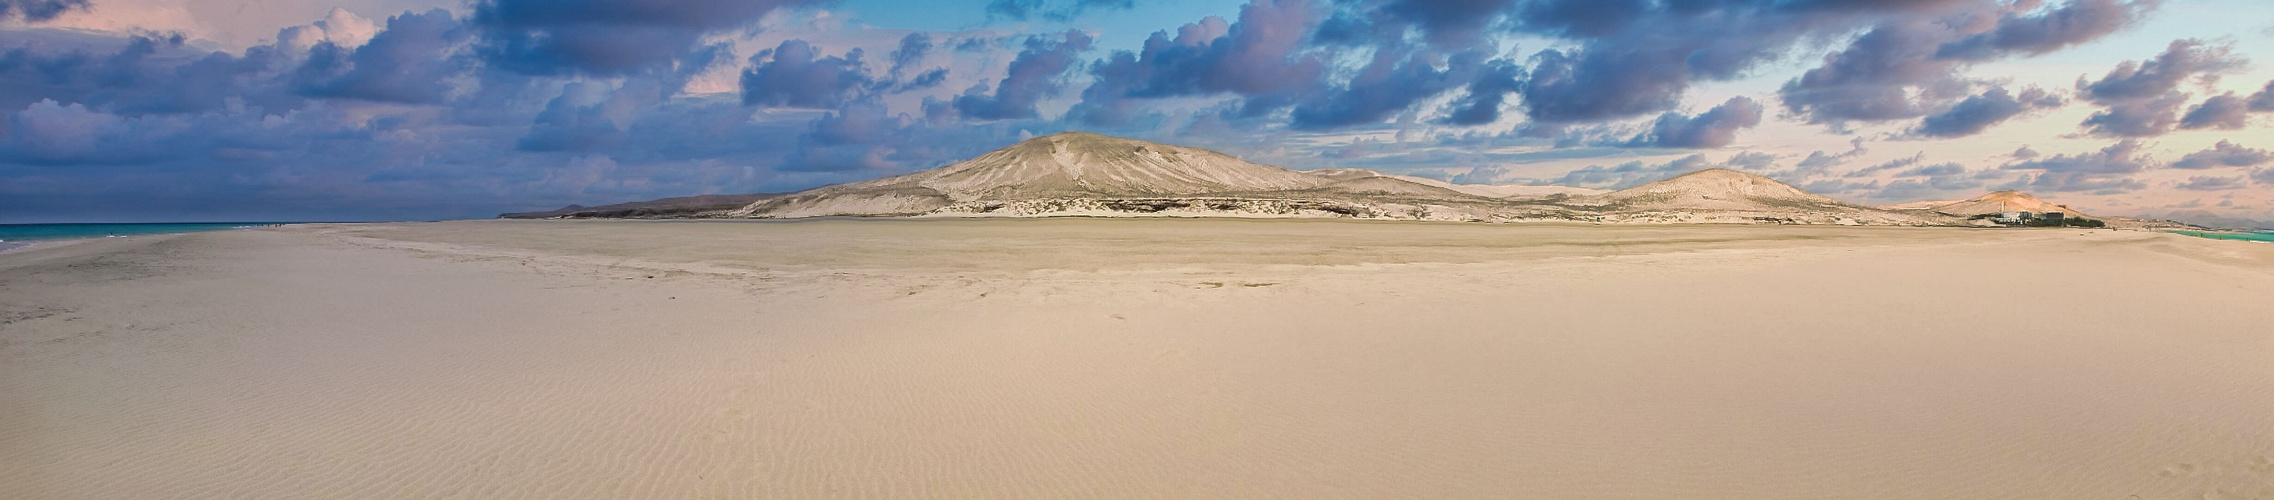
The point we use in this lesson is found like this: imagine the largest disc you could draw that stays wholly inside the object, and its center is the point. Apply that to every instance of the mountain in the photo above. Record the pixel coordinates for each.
(1484, 190)
(1094, 175)
(1723, 195)
(1077, 172)
(1717, 189)
(1997, 202)
(667, 207)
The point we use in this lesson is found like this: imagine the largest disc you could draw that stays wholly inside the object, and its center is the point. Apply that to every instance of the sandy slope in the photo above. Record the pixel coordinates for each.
(1137, 358)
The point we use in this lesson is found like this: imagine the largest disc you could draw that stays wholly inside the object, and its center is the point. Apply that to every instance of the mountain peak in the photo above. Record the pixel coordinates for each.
(1085, 173)
(2003, 201)
(1717, 184)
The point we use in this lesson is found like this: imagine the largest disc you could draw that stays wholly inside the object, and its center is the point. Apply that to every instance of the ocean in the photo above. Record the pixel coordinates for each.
(2267, 236)
(13, 234)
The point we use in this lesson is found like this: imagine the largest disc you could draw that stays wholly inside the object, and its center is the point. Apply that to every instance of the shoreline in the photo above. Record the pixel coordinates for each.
(1135, 358)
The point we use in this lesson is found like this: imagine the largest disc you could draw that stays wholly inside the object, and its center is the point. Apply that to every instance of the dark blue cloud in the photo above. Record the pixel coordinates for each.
(2107, 171)
(1936, 170)
(2263, 101)
(39, 10)
(1452, 23)
(2213, 183)
(2224, 154)
(907, 58)
(1712, 129)
(1024, 9)
(411, 62)
(1819, 160)
(2134, 81)
(607, 37)
(1580, 18)
(1038, 73)
(142, 75)
(911, 52)
(2137, 118)
(2077, 22)
(2142, 99)
(1633, 173)
(2224, 112)
(1894, 164)
(550, 102)
(791, 75)
(1907, 66)
(1387, 85)
(1978, 113)
(2124, 157)
(1487, 93)
(1261, 57)
(589, 116)
(1929, 188)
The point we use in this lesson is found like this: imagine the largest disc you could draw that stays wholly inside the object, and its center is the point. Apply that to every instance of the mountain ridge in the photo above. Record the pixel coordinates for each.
(1085, 174)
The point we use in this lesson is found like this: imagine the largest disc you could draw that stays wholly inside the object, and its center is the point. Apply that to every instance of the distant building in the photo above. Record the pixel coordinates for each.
(2053, 217)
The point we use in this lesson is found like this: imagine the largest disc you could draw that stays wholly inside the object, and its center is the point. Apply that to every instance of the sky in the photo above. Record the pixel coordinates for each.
(298, 110)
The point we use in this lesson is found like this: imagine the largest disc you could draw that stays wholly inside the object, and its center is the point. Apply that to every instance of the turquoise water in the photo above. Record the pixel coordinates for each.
(13, 233)
(2223, 235)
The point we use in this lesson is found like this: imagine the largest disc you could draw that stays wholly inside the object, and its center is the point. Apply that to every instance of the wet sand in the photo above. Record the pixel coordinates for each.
(1136, 358)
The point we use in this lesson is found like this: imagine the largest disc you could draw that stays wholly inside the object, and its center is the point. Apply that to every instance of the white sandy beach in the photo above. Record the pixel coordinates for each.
(1086, 358)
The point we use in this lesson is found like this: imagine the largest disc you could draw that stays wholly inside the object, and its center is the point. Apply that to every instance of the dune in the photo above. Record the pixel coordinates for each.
(1136, 358)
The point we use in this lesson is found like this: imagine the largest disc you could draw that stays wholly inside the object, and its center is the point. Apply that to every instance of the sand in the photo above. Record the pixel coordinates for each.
(1135, 358)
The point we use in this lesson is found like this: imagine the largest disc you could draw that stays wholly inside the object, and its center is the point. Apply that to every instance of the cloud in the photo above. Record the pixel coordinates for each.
(1908, 66)
(1387, 85)
(2077, 22)
(1886, 166)
(1036, 74)
(1934, 187)
(2224, 112)
(1635, 173)
(790, 75)
(2263, 101)
(1712, 129)
(2134, 81)
(2213, 183)
(39, 10)
(1630, 174)
(2105, 171)
(2137, 118)
(435, 113)
(1819, 160)
(1874, 78)
(1936, 170)
(606, 37)
(1023, 9)
(409, 63)
(1260, 58)
(1751, 160)
(1978, 113)
(2224, 154)
(2124, 157)
(913, 48)
(1487, 93)
(589, 116)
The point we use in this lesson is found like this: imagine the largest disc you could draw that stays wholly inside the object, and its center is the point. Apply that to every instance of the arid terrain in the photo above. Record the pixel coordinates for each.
(1160, 358)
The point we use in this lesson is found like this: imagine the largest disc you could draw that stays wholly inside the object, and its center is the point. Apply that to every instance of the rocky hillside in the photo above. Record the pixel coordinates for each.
(1095, 175)
(1722, 195)
(1059, 169)
(1995, 202)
